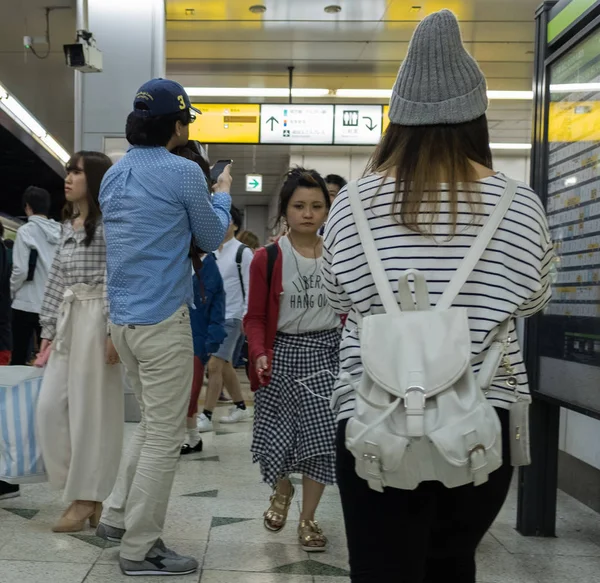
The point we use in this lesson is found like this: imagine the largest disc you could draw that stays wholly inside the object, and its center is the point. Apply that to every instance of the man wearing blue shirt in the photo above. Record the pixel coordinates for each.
(152, 203)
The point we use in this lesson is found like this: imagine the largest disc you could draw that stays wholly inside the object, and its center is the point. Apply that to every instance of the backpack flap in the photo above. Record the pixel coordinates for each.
(478, 430)
(416, 355)
(378, 453)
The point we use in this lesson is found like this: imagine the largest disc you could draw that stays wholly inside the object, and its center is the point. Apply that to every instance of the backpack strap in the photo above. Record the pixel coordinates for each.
(382, 284)
(33, 258)
(272, 254)
(465, 269)
(238, 260)
(479, 246)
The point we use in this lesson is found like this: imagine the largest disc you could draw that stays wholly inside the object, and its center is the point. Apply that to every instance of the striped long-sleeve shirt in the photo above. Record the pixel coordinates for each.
(511, 279)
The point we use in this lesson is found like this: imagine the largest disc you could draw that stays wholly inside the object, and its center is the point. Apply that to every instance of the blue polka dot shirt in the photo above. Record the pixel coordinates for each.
(152, 202)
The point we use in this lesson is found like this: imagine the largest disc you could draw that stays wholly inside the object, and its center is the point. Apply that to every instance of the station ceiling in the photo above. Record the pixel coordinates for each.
(222, 43)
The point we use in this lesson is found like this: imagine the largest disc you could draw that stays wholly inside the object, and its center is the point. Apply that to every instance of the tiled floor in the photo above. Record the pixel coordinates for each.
(215, 514)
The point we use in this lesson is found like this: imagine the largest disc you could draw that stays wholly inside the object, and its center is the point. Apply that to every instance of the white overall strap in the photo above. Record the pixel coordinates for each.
(382, 284)
(479, 246)
(64, 320)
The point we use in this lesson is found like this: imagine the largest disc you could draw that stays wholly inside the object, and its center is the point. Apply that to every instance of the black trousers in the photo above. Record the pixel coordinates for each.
(427, 535)
(24, 326)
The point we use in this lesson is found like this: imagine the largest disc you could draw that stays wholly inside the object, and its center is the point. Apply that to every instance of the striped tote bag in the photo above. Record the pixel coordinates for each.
(20, 457)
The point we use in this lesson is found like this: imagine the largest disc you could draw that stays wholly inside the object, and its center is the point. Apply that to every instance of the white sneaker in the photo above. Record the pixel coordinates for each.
(236, 415)
(204, 424)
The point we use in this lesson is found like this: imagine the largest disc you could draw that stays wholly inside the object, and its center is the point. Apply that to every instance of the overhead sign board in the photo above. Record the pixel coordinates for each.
(254, 182)
(289, 124)
(296, 124)
(222, 123)
(357, 124)
(386, 117)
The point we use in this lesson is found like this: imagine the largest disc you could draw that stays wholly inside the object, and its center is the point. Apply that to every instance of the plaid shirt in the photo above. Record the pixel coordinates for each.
(73, 263)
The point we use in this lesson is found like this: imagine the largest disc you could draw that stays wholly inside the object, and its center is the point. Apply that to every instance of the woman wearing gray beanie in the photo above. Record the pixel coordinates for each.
(429, 190)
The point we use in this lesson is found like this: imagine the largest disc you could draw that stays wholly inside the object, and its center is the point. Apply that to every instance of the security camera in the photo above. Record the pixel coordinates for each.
(83, 54)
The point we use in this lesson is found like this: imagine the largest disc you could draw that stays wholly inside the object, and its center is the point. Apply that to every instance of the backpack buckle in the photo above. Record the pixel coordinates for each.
(478, 462)
(414, 402)
(372, 465)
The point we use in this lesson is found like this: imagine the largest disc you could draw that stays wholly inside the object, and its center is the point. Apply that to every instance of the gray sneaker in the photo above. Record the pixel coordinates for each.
(108, 532)
(160, 561)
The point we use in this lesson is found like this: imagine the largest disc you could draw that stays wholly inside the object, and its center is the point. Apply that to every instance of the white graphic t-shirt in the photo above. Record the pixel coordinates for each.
(303, 306)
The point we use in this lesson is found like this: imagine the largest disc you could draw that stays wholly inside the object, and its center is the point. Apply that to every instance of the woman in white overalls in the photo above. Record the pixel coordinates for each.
(80, 408)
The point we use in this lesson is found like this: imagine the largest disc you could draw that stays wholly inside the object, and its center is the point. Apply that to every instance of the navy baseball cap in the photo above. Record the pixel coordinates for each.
(161, 97)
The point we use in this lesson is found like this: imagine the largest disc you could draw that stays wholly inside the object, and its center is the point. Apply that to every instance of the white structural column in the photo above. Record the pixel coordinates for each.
(131, 36)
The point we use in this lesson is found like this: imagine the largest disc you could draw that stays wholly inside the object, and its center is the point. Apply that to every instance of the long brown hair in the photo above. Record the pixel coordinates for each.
(95, 165)
(190, 151)
(420, 158)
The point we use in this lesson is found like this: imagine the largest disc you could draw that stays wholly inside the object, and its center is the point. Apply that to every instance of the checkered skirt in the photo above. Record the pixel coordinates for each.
(294, 430)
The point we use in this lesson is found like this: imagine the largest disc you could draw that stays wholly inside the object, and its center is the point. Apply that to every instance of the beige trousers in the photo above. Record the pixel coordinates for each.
(159, 363)
(80, 408)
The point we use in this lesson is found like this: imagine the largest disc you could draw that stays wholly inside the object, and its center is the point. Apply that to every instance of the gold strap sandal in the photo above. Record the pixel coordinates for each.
(311, 536)
(276, 515)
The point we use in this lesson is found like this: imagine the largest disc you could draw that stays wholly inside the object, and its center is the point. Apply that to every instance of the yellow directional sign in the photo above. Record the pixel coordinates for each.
(386, 119)
(226, 123)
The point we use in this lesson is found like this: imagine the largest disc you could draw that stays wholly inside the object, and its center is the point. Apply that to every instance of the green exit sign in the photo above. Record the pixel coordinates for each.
(254, 182)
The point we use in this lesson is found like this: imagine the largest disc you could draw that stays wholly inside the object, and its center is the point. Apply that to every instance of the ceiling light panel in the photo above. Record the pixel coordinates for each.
(509, 146)
(341, 93)
(31, 125)
(254, 92)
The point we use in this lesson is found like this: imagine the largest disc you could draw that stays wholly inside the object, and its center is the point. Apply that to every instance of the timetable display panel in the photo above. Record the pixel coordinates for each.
(570, 345)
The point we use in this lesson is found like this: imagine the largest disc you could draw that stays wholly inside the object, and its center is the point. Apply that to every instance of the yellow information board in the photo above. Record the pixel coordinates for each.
(226, 123)
(571, 121)
(386, 119)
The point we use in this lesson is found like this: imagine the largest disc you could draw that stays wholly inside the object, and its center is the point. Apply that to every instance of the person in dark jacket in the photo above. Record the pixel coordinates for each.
(208, 332)
(5, 315)
(6, 490)
(9, 244)
(208, 319)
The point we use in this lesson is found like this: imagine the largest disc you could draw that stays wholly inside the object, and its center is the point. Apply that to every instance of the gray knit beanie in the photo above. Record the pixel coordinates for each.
(438, 82)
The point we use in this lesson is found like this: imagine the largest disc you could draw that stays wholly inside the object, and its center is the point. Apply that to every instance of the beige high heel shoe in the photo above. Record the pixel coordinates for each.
(95, 518)
(92, 513)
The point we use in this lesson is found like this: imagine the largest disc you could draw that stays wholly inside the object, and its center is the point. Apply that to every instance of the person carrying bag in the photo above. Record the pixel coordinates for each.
(418, 396)
(433, 256)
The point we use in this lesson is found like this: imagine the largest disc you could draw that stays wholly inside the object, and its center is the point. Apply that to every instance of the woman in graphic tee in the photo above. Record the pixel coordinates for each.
(294, 339)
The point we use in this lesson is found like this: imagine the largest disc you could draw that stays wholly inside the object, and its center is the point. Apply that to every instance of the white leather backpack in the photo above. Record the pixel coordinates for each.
(420, 413)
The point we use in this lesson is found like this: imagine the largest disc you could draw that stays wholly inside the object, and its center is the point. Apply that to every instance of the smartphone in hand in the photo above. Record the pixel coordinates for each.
(218, 168)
